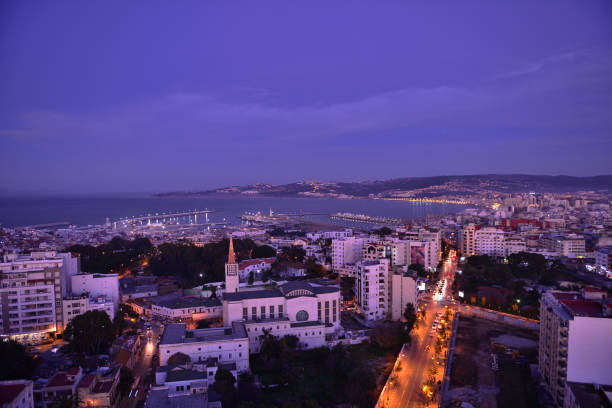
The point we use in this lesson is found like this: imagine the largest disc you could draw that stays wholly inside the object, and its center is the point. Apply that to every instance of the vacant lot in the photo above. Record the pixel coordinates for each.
(474, 380)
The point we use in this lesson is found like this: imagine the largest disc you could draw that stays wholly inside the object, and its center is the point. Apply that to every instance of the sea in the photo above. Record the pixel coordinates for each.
(82, 210)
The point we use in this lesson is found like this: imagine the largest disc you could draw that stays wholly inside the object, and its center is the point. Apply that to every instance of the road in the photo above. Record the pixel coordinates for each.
(144, 363)
(406, 389)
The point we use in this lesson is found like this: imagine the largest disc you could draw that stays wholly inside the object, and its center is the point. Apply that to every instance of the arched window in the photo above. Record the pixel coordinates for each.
(301, 316)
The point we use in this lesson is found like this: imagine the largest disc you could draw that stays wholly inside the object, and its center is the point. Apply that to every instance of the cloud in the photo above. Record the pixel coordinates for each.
(519, 97)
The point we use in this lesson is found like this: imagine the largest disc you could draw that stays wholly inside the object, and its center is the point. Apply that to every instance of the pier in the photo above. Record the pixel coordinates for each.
(165, 216)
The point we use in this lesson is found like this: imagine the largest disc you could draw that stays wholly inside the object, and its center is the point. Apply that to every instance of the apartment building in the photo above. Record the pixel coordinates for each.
(372, 288)
(434, 247)
(574, 344)
(97, 284)
(76, 305)
(570, 246)
(467, 244)
(603, 258)
(31, 290)
(403, 290)
(346, 251)
(513, 244)
(489, 241)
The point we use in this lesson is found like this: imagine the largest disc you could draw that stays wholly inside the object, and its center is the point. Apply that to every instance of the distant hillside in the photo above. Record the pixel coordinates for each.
(420, 186)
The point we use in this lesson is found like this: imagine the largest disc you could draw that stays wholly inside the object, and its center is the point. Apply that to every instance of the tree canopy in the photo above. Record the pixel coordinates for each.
(178, 359)
(188, 262)
(410, 316)
(16, 362)
(115, 255)
(419, 269)
(90, 333)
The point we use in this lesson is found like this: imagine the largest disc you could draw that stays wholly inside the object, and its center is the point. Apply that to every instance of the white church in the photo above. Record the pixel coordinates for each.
(307, 310)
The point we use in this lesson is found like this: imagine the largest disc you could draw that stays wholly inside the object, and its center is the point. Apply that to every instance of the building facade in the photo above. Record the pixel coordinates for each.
(574, 344)
(372, 289)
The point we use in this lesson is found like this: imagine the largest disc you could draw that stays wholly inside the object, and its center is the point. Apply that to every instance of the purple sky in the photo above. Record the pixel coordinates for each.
(157, 96)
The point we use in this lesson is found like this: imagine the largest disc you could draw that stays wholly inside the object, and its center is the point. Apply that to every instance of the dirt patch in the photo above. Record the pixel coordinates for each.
(473, 378)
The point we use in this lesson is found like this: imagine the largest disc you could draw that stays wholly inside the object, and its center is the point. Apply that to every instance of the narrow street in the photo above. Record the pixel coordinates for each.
(407, 388)
(143, 367)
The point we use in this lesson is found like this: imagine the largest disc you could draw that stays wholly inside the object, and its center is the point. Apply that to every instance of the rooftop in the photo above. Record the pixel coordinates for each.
(9, 390)
(177, 333)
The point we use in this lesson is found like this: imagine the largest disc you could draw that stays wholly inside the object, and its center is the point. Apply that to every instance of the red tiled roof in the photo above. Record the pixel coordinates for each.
(74, 370)
(566, 296)
(9, 392)
(593, 289)
(86, 381)
(249, 262)
(59, 380)
(583, 307)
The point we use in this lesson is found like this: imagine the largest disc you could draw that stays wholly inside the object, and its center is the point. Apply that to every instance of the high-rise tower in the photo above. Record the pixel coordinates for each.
(231, 270)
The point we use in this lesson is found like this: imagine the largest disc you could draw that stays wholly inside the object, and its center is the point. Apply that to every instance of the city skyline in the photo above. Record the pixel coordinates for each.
(198, 96)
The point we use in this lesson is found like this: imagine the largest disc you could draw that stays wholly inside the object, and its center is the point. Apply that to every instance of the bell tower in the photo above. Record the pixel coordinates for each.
(231, 270)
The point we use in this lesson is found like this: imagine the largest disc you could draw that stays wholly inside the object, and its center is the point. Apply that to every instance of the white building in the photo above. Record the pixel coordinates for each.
(489, 241)
(97, 284)
(434, 249)
(603, 258)
(346, 251)
(225, 344)
(574, 343)
(16, 394)
(513, 244)
(308, 311)
(404, 290)
(372, 288)
(75, 306)
(467, 244)
(257, 266)
(187, 308)
(570, 246)
(31, 291)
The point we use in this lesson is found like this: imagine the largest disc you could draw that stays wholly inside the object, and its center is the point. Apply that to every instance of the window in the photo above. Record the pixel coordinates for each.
(271, 312)
(253, 313)
(280, 310)
(335, 311)
(301, 316)
(245, 313)
(263, 312)
(319, 310)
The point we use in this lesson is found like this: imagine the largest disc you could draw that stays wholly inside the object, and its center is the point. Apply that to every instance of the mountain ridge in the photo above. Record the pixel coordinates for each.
(432, 186)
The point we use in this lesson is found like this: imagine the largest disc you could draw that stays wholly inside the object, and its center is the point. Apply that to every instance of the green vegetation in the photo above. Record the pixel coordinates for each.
(113, 257)
(384, 231)
(292, 254)
(419, 269)
(188, 262)
(509, 280)
(389, 335)
(263, 251)
(90, 333)
(347, 285)
(308, 378)
(224, 385)
(16, 362)
(313, 269)
(410, 316)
